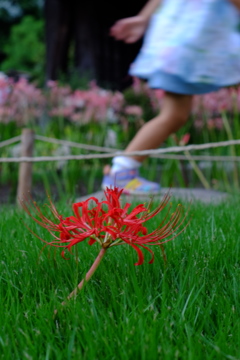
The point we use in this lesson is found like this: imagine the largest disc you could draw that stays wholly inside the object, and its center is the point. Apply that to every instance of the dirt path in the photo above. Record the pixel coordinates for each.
(205, 196)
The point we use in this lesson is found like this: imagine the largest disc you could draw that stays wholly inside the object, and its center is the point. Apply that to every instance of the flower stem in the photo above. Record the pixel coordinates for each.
(232, 148)
(163, 254)
(197, 170)
(89, 274)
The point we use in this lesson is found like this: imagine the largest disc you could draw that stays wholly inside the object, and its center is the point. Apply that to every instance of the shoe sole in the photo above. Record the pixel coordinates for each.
(142, 193)
(134, 192)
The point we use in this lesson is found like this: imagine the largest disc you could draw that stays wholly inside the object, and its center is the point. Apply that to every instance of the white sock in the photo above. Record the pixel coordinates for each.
(124, 162)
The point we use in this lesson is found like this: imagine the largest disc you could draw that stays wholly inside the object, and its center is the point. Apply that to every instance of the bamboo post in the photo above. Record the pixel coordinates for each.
(25, 168)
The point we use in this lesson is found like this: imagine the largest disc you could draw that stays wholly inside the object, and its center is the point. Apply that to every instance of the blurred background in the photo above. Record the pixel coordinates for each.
(64, 77)
(65, 39)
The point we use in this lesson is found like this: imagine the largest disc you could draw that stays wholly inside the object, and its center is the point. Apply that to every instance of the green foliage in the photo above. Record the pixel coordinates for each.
(25, 49)
(73, 78)
(132, 98)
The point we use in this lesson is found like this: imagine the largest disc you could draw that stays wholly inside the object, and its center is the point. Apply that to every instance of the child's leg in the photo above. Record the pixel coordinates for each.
(174, 114)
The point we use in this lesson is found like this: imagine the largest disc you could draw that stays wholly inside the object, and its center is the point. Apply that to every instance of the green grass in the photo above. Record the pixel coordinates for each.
(186, 310)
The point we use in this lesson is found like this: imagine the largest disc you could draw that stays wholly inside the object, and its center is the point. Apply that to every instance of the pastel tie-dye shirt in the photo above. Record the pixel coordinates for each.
(198, 40)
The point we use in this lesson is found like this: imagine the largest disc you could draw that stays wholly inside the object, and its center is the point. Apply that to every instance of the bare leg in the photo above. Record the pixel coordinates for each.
(174, 114)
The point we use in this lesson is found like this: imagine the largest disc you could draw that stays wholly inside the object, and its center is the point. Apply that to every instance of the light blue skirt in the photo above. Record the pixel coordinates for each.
(175, 84)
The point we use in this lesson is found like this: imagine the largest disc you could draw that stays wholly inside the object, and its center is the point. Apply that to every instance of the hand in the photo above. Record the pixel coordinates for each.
(130, 29)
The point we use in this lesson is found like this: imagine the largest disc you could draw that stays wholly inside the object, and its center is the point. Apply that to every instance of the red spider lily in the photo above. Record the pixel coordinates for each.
(110, 224)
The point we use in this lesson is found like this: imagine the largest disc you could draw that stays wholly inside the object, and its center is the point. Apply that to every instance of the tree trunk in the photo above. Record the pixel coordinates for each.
(82, 27)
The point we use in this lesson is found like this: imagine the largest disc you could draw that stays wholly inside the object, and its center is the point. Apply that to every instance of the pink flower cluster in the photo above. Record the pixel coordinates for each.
(23, 102)
(84, 105)
(226, 99)
(206, 108)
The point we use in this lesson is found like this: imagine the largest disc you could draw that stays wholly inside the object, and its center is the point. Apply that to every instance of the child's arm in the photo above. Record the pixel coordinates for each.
(150, 7)
(132, 29)
(236, 3)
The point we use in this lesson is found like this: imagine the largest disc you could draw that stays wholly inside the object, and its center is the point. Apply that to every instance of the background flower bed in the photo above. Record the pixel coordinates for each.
(106, 118)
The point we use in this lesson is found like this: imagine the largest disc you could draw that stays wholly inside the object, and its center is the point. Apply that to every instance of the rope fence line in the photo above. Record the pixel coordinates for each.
(161, 153)
(26, 158)
(144, 152)
(74, 144)
(38, 159)
(10, 141)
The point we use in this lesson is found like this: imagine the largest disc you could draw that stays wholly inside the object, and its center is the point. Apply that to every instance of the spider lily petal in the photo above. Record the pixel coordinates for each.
(109, 224)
